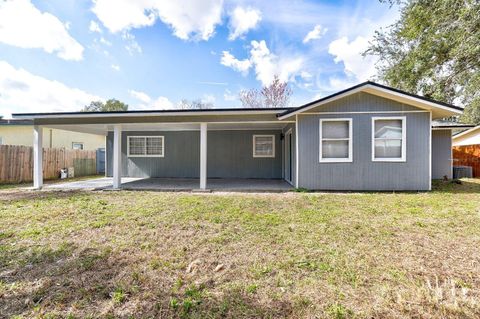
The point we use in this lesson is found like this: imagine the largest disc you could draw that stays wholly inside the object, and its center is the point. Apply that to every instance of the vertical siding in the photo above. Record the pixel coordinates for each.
(441, 154)
(363, 173)
(229, 155)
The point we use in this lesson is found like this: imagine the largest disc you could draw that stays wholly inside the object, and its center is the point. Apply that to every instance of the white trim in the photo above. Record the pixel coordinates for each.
(430, 154)
(145, 137)
(289, 132)
(390, 94)
(297, 155)
(403, 158)
(273, 146)
(37, 157)
(117, 157)
(203, 156)
(362, 112)
(350, 142)
(465, 132)
(148, 114)
(451, 155)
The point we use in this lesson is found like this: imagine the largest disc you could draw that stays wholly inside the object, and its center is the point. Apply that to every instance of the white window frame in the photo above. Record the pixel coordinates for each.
(403, 158)
(273, 146)
(350, 141)
(81, 143)
(145, 137)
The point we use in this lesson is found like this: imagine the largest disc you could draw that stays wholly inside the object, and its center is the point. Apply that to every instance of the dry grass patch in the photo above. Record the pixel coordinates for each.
(296, 255)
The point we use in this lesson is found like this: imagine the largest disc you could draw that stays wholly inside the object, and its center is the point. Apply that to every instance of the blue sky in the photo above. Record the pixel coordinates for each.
(58, 55)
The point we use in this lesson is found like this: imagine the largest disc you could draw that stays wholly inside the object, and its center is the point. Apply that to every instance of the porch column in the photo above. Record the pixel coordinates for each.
(37, 157)
(203, 155)
(117, 156)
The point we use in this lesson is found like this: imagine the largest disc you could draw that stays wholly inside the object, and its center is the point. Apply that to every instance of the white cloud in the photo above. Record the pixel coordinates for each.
(162, 103)
(315, 34)
(22, 25)
(265, 63)
(22, 91)
(228, 96)
(350, 53)
(242, 20)
(116, 67)
(147, 103)
(188, 18)
(208, 99)
(241, 66)
(132, 45)
(141, 96)
(94, 27)
(106, 42)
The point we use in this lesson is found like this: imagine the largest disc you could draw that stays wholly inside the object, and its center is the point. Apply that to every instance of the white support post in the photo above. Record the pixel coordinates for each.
(203, 156)
(37, 157)
(117, 156)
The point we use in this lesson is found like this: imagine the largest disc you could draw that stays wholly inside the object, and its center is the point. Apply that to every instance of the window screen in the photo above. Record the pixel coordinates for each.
(155, 145)
(335, 140)
(263, 146)
(148, 146)
(77, 146)
(388, 139)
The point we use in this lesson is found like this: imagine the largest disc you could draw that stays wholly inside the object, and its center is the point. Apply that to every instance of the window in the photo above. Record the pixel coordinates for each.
(145, 146)
(77, 145)
(264, 146)
(389, 139)
(335, 140)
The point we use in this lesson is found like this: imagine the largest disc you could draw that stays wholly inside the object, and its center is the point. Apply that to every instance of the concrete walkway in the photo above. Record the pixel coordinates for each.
(178, 184)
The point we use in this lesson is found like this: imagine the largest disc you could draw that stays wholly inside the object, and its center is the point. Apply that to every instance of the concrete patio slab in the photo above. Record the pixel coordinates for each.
(89, 184)
(177, 184)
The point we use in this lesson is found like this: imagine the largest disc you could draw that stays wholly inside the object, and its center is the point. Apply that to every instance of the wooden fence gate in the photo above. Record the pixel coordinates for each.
(467, 155)
(16, 163)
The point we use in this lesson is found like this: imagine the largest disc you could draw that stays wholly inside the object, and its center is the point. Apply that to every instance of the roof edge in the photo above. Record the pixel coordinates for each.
(364, 84)
(147, 112)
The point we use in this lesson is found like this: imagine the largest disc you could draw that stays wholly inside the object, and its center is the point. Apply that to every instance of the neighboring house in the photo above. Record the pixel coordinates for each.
(367, 137)
(468, 137)
(20, 132)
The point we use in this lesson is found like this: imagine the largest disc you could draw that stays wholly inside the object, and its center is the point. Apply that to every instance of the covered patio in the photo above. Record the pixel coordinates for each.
(177, 184)
(202, 150)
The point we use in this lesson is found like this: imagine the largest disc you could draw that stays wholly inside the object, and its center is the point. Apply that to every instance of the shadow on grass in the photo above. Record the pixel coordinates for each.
(98, 283)
(470, 185)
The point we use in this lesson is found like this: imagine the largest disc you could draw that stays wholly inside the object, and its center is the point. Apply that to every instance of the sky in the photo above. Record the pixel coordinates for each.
(59, 55)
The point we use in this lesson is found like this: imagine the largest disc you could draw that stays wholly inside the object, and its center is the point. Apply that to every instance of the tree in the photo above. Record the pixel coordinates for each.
(111, 105)
(276, 94)
(194, 105)
(433, 50)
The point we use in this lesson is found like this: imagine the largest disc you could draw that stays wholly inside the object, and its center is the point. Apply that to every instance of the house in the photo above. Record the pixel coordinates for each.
(20, 132)
(367, 137)
(467, 137)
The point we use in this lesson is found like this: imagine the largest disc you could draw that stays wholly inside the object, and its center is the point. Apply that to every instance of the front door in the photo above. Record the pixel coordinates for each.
(288, 156)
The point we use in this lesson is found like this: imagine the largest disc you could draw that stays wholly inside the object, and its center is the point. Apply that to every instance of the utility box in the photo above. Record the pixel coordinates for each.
(71, 172)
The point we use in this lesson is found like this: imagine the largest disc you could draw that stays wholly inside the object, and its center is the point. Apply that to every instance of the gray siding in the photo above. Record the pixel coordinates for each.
(363, 173)
(229, 155)
(441, 154)
(363, 102)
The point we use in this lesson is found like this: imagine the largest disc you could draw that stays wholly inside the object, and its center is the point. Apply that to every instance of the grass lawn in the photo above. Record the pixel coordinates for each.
(296, 255)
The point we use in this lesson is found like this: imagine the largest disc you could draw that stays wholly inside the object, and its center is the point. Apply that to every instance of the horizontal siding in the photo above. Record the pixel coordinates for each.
(229, 155)
(363, 173)
(441, 154)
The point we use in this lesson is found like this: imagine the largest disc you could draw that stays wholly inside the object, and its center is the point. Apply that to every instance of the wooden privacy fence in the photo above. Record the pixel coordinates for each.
(16, 163)
(467, 155)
